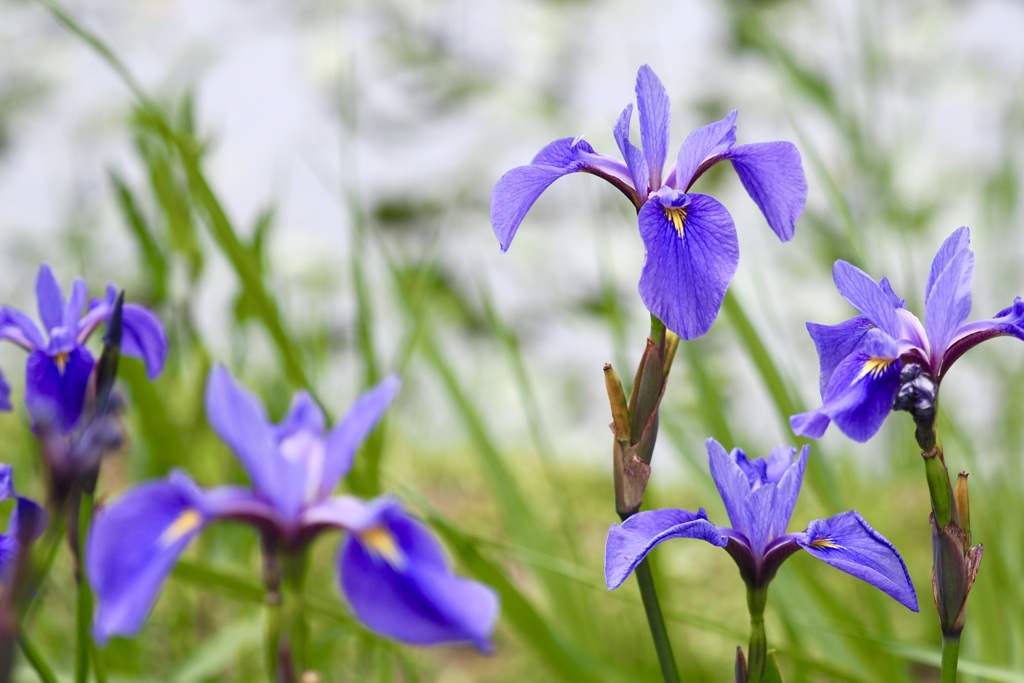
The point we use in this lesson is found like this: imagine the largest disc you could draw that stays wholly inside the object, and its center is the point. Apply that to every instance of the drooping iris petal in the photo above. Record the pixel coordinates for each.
(399, 584)
(773, 176)
(635, 161)
(628, 543)
(132, 546)
(836, 342)
(866, 296)
(143, 336)
(17, 327)
(518, 189)
(55, 388)
(655, 112)
(687, 271)
(1007, 322)
(348, 434)
(49, 298)
(859, 395)
(705, 142)
(239, 419)
(732, 482)
(849, 544)
(948, 295)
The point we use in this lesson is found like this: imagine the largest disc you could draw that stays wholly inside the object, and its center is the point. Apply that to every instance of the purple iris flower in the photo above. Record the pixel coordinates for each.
(59, 365)
(759, 497)
(690, 238)
(885, 358)
(24, 509)
(392, 570)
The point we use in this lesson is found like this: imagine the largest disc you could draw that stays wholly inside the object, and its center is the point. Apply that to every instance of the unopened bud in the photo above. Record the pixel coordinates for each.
(963, 506)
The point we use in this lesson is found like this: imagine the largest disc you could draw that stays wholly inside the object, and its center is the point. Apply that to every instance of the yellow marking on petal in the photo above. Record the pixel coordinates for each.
(61, 359)
(185, 523)
(379, 540)
(677, 216)
(823, 543)
(876, 365)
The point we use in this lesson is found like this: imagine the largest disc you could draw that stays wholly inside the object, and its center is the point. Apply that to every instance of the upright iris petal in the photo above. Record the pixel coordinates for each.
(690, 239)
(861, 358)
(760, 496)
(392, 570)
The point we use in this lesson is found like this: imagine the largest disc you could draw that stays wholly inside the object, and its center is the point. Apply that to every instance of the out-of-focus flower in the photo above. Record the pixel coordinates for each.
(692, 250)
(59, 365)
(24, 508)
(391, 568)
(759, 497)
(885, 359)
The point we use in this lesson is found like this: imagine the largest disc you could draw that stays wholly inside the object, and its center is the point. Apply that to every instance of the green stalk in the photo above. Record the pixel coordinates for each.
(656, 622)
(296, 631)
(950, 654)
(36, 659)
(757, 652)
(272, 606)
(83, 609)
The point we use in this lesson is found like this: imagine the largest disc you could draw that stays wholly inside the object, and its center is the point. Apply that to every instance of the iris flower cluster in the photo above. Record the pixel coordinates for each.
(690, 238)
(390, 567)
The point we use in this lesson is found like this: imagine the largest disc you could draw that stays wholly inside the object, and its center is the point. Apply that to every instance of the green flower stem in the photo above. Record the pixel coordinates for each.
(296, 630)
(83, 611)
(939, 489)
(757, 652)
(272, 607)
(656, 622)
(950, 654)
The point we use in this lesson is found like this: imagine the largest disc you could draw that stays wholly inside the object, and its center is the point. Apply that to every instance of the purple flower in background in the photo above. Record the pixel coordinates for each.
(392, 570)
(5, 393)
(692, 250)
(24, 509)
(59, 365)
(759, 497)
(885, 358)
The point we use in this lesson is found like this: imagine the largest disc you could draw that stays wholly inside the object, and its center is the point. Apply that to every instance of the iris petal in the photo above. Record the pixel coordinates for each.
(17, 327)
(348, 434)
(705, 142)
(416, 599)
(867, 296)
(628, 543)
(948, 295)
(849, 544)
(655, 113)
(836, 342)
(773, 176)
(685, 275)
(132, 546)
(143, 336)
(635, 161)
(49, 298)
(55, 388)
(860, 394)
(518, 189)
(731, 480)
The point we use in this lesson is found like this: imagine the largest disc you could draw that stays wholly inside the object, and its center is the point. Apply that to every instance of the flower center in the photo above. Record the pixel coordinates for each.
(823, 543)
(61, 359)
(677, 217)
(184, 523)
(380, 541)
(876, 365)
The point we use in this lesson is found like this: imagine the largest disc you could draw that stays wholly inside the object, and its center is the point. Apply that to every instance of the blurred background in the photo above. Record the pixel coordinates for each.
(305, 199)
